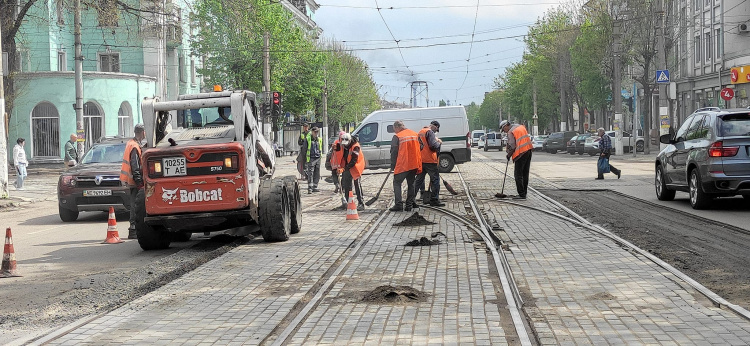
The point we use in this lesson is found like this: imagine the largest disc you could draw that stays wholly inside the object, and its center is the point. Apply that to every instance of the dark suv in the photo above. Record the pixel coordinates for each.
(708, 157)
(94, 184)
(558, 141)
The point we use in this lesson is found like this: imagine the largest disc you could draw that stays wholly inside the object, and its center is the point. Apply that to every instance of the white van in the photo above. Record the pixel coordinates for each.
(475, 136)
(376, 132)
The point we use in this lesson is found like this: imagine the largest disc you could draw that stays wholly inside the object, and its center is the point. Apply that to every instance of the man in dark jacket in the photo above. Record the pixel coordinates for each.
(430, 151)
(131, 173)
(302, 157)
(312, 159)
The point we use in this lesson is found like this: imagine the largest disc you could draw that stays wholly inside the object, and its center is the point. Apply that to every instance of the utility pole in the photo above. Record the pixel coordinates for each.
(3, 136)
(635, 119)
(617, 88)
(663, 121)
(535, 130)
(266, 81)
(325, 116)
(79, 77)
(563, 104)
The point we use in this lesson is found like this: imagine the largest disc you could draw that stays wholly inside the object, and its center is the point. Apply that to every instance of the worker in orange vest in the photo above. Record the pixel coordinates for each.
(354, 165)
(430, 151)
(406, 163)
(519, 149)
(131, 173)
(336, 161)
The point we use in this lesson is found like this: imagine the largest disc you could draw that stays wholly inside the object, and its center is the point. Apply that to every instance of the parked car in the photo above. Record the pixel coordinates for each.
(558, 141)
(590, 147)
(475, 135)
(708, 156)
(577, 144)
(538, 141)
(494, 140)
(94, 184)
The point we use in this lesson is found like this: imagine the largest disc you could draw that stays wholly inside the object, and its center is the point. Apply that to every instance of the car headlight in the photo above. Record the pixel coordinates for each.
(68, 180)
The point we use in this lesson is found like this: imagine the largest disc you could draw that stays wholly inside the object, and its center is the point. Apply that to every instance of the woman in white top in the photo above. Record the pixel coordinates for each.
(19, 161)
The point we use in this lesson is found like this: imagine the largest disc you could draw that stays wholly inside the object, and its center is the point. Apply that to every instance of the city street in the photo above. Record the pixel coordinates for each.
(356, 282)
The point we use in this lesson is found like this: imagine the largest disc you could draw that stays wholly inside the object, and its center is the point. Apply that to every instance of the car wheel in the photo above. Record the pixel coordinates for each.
(663, 193)
(698, 198)
(67, 215)
(639, 146)
(446, 163)
(592, 153)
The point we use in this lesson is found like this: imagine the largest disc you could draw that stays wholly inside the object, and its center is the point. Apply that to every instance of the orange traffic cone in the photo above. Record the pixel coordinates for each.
(113, 237)
(8, 268)
(351, 208)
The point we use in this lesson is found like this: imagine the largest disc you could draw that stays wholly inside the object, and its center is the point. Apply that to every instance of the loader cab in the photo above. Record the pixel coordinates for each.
(204, 117)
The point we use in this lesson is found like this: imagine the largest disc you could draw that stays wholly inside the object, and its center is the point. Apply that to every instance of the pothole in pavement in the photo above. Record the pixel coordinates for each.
(423, 242)
(414, 220)
(394, 294)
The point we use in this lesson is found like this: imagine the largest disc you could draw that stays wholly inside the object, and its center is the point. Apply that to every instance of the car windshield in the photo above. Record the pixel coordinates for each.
(105, 153)
(735, 125)
(202, 117)
(478, 134)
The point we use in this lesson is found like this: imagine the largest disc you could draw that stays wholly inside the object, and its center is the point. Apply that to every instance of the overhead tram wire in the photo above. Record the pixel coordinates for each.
(471, 46)
(394, 37)
(440, 7)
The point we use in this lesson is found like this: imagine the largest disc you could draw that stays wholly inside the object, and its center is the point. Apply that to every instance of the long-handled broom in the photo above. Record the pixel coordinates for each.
(505, 175)
(372, 200)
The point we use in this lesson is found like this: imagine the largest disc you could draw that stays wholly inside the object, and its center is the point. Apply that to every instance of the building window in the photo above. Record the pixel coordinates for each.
(697, 49)
(719, 43)
(707, 44)
(93, 123)
(45, 130)
(125, 120)
(192, 71)
(181, 67)
(109, 62)
(62, 60)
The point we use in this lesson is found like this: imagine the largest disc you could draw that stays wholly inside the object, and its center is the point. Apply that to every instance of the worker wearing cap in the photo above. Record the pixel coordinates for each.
(519, 149)
(302, 157)
(131, 174)
(313, 155)
(430, 151)
(406, 163)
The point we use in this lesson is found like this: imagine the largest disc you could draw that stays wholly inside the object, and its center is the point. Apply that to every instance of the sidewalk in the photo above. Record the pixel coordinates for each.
(579, 287)
(40, 185)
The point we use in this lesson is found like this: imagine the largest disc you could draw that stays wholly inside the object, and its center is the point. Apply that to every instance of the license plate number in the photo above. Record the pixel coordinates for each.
(174, 166)
(95, 193)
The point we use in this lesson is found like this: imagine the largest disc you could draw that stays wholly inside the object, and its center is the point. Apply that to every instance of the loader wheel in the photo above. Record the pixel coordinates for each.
(149, 238)
(295, 203)
(273, 211)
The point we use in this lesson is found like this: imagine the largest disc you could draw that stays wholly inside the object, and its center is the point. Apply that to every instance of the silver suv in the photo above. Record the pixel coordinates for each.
(708, 157)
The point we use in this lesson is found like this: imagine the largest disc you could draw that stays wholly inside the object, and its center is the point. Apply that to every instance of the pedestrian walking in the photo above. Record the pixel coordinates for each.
(20, 162)
(335, 161)
(430, 145)
(605, 148)
(519, 149)
(406, 163)
(71, 153)
(302, 156)
(353, 166)
(312, 159)
(131, 173)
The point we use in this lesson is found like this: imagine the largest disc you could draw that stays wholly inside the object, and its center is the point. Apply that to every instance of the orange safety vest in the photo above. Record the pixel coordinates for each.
(337, 156)
(428, 156)
(359, 167)
(125, 174)
(523, 141)
(409, 156)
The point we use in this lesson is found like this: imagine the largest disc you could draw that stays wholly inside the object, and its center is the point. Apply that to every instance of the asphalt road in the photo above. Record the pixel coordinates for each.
(577, 172)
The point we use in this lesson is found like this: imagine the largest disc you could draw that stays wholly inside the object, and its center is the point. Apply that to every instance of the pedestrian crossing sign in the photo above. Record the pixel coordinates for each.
(662, 76)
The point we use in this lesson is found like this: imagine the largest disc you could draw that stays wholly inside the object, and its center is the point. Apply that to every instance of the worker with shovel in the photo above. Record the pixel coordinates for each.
(519, 149)
(354, 165)
(430, 149)
(406, 163)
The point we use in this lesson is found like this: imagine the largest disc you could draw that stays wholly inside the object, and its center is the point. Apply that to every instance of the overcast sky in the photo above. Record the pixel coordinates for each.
(435, 40)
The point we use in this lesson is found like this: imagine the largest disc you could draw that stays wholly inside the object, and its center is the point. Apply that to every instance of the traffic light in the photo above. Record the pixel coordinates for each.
(275, 104)
(265, 110)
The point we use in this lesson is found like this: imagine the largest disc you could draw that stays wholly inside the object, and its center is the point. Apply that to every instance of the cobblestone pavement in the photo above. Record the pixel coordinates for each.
(582, 288)
(579, 287)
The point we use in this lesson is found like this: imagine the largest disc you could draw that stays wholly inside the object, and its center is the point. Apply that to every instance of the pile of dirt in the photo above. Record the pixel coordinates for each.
(414, 220)
(397, 294)
(423, 242)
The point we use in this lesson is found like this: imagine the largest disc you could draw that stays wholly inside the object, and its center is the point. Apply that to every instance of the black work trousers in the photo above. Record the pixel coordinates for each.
(133, 194)
(313, 173)
(346, 185)
(432, 170)
(612, 169)
(522, 165)
(398, 179)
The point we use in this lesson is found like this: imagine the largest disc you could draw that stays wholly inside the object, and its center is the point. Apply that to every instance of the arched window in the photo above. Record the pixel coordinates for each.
(45, 130)
(125, 120)
(93, 123)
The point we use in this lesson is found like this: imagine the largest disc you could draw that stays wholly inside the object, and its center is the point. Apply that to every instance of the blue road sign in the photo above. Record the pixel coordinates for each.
(662, 76)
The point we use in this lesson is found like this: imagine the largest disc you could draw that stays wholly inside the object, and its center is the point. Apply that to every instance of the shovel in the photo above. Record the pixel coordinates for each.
(505, 175)
(372, 200)
(449, 187)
